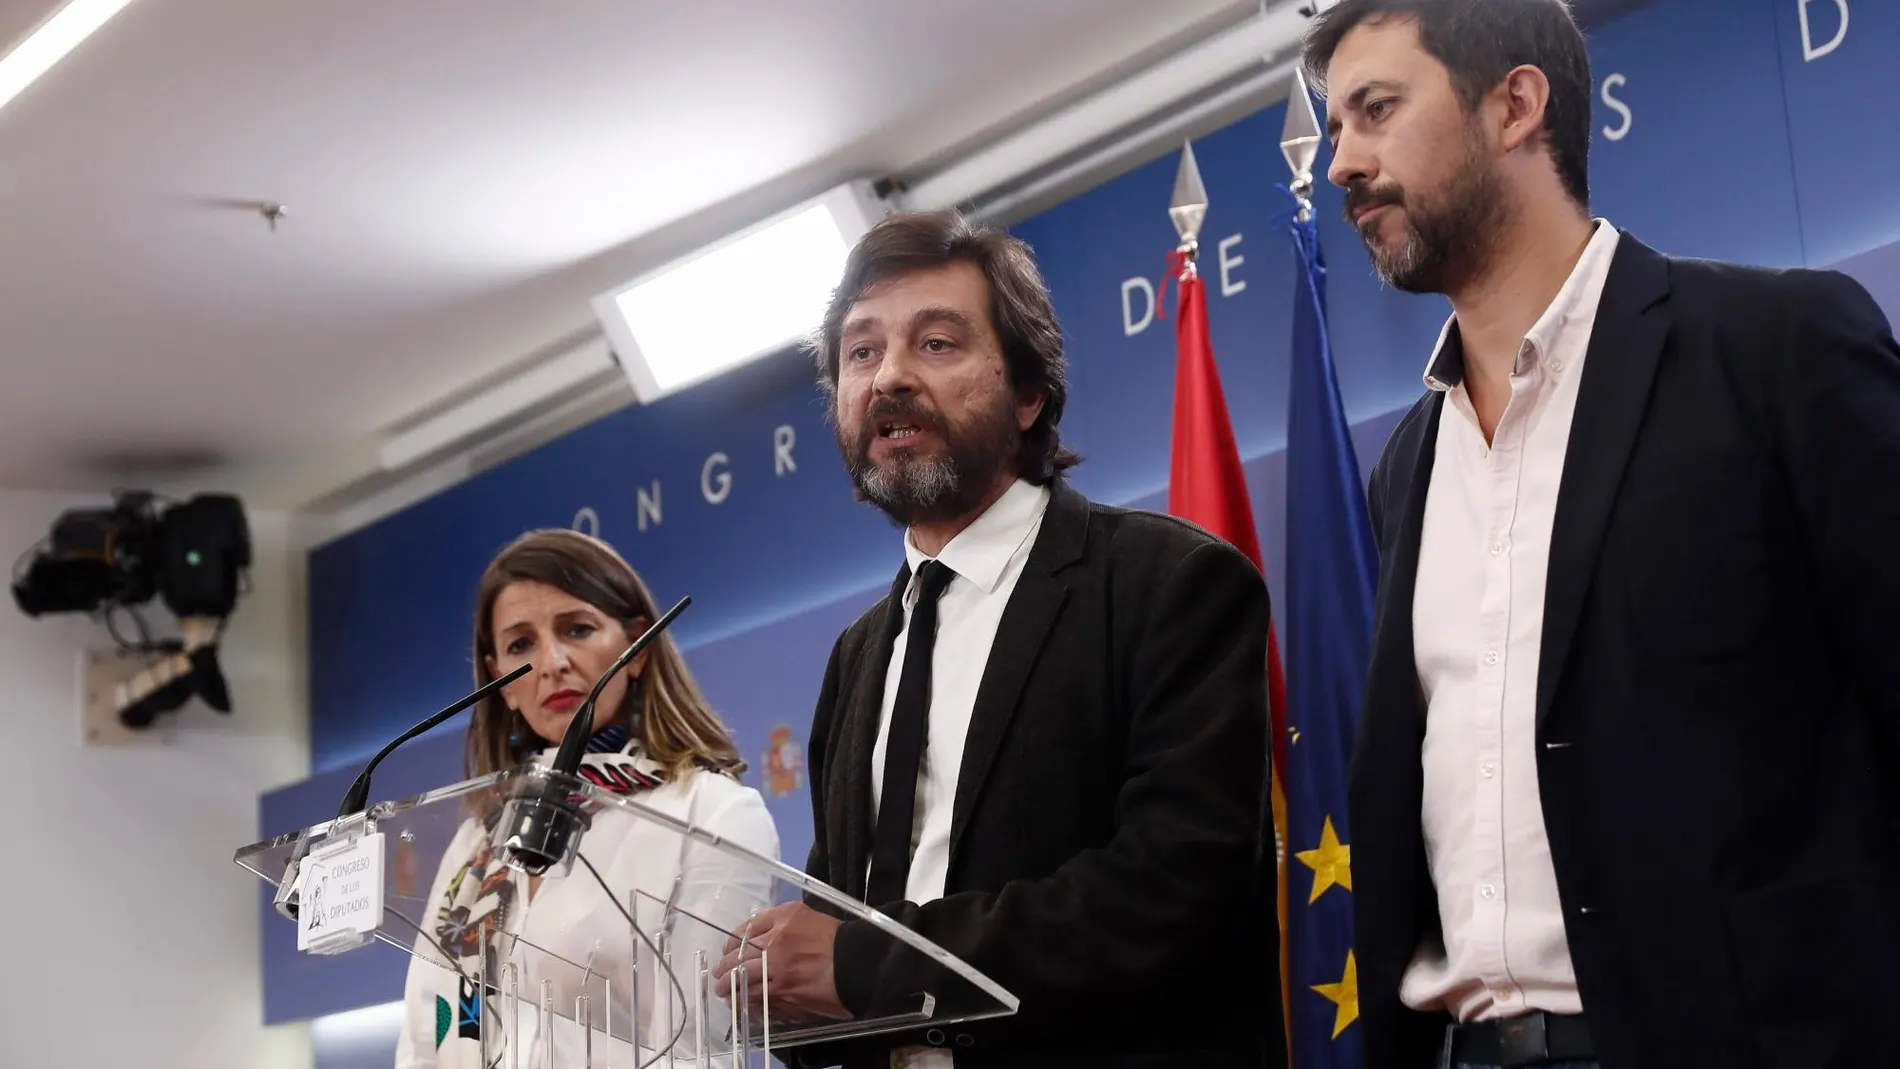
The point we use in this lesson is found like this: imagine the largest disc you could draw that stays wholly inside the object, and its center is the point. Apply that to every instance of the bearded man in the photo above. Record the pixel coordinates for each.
(1627, 788)
(1046, 751)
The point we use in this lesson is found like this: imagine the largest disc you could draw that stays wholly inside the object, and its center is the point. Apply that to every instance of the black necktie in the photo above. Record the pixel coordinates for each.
(904, 744)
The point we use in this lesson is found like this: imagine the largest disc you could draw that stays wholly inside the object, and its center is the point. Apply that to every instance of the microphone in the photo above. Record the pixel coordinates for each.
(543, 826)
(357, 797)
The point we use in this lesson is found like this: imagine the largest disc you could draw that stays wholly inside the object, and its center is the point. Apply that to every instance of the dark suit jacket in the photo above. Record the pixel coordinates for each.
(1718, 694)
(1110, 859)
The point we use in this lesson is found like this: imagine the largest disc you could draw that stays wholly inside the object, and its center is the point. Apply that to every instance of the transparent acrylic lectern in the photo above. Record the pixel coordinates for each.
(569, 969)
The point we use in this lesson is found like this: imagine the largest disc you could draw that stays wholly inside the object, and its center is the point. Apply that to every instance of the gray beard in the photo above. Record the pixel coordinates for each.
(1400, 268)
(932, 489)
(913, 490)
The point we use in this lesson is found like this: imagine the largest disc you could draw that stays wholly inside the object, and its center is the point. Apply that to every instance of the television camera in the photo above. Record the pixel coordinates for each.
(195, 555)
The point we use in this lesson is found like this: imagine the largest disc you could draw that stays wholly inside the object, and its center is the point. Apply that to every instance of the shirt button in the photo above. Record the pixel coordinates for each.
(1497, 548)
(1489, 891)
(1490, 656)
(1490, 769)
(1556, 365)
(1501, 995)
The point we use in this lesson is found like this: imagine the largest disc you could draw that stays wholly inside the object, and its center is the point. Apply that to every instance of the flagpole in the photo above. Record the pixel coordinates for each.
(1299, 143)
(1331, 568)
(1207, 482)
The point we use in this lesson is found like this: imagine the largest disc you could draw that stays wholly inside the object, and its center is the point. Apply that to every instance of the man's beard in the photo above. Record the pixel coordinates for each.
(915, 488)
(1449, 238)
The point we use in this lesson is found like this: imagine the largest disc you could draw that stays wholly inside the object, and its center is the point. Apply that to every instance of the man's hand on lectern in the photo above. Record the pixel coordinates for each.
(797, 942)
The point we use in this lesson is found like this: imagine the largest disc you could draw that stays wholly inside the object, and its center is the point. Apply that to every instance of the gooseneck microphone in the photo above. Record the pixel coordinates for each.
(543, 825)
(357, 797)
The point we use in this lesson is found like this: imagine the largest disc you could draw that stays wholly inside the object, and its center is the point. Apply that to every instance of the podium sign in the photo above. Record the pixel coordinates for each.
(340, 894)
(608, 959)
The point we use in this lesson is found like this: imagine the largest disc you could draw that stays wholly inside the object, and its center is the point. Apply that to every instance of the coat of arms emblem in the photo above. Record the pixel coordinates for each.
(784, 763)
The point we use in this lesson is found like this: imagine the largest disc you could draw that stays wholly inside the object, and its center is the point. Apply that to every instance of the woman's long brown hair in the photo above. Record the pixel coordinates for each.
(676, 727)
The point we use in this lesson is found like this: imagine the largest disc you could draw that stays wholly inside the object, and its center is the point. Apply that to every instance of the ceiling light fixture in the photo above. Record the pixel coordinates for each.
(51, 42)
(743, 298)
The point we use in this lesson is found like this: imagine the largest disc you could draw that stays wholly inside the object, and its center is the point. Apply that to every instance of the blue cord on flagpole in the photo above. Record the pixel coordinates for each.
(1305, 232)
(1291, 216)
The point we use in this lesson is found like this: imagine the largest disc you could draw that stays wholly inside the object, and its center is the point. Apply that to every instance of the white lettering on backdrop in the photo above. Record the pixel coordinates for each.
(1616, 133)
(1809, 50)
(646, 506)
(715, 488)
(1130, 328)
(587, 521)
(1229, 285)
(783, 438)
(715, 485)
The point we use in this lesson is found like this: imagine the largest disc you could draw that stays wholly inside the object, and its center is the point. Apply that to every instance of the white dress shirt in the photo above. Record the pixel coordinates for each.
(1477, 620)
(987, 557)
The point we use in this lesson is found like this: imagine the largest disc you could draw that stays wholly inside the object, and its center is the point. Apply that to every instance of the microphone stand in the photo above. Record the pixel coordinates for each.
(543, 826)
(356, 798)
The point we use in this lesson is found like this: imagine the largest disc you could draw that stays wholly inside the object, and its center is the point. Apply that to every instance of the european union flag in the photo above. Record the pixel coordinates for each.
(1331, 575)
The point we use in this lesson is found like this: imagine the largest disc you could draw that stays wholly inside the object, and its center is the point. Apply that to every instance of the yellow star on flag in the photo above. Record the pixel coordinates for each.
(1331, 862)
(1345, 995)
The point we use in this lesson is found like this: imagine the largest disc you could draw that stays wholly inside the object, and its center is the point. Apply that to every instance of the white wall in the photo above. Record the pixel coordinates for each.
(128, 937)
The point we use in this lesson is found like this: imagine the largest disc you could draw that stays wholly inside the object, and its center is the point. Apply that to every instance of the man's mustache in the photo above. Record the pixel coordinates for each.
(1362, 197)
(905, 409)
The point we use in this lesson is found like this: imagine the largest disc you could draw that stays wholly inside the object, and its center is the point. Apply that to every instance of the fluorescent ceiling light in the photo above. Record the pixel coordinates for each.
(50, 43)
(742, 299)
(538, 385)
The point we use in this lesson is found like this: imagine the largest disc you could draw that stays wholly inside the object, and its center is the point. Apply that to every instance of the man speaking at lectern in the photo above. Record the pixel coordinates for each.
(1046, 750)
(1627, 786)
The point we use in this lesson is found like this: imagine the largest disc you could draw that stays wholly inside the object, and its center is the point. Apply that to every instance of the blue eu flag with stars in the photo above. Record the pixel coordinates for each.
(1332, 567)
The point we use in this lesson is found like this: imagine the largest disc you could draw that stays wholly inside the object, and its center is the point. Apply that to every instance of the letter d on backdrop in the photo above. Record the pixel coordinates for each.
(1809, 51)
(1130, 327)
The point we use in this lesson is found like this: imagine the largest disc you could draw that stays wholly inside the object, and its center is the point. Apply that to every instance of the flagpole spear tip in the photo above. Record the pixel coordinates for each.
(1188, 207)
(1299, 142)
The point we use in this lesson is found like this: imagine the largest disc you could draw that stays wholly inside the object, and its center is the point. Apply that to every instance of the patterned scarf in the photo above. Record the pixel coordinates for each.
(482, 894)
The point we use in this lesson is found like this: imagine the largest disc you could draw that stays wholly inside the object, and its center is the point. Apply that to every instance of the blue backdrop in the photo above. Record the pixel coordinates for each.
(1721, 130)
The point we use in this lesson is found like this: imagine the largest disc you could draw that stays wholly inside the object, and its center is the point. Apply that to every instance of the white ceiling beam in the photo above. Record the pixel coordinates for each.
(510, 399)
(1257, 42)
(1165, 134)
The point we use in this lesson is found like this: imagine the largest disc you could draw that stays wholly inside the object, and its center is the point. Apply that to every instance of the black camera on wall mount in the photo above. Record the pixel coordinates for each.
(194, 555)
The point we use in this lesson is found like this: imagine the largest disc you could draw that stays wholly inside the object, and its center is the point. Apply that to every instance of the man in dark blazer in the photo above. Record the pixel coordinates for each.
(1627, 785)
(1046, 751)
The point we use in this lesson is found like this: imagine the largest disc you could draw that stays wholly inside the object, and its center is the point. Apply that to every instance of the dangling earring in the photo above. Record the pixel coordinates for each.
(635, 705)
(517, 738)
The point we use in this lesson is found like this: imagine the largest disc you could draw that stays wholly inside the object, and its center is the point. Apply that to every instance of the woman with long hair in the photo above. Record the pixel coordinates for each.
(569, 605)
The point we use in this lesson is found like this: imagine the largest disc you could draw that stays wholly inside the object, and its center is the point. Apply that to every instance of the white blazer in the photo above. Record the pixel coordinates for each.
(573, 939)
